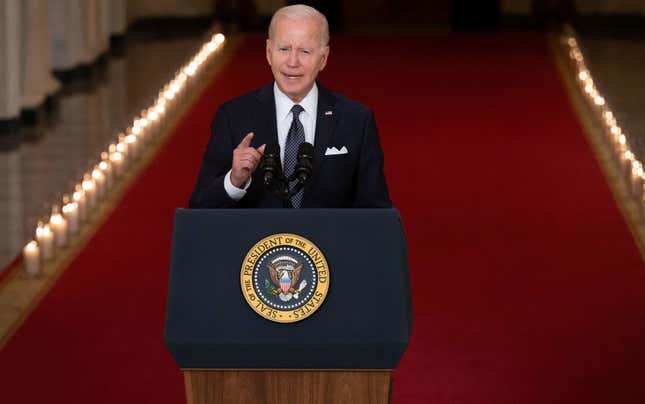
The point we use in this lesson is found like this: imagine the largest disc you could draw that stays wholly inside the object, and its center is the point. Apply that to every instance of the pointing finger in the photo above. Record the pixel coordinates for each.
(246, 142)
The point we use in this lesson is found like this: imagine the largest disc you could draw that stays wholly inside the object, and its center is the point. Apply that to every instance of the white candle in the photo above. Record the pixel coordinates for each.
(642, 201)
(59, 225)
(132, 144)
(160, 107)
(89, 187)
(116, 159)
(152, 117)
(99, 181)
(122, 148)
(45, 239)
(31, 258)
(79, 198)
(618, 139)
(70, 210)
(621, 145)
(190, 69)
(168, 93)
(106, 169)
(143, 119)
(637, 180)
(625, 159)
(144, 125)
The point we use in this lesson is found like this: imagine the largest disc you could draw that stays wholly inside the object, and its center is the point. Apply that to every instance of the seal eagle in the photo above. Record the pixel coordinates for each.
(284, 277)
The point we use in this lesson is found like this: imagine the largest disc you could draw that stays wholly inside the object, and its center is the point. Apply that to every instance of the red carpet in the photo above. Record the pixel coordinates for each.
(527, 285)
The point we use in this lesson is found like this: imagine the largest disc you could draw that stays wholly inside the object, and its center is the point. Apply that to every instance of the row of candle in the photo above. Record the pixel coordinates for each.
(65, 220)
(631, 167)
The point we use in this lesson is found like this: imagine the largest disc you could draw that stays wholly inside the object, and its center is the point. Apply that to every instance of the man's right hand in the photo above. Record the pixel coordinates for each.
(245, 160)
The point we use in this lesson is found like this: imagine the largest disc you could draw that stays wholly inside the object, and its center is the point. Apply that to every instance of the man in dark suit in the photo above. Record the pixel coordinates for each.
(348, 160)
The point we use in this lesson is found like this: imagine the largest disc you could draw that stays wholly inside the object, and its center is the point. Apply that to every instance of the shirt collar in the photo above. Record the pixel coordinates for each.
(283, 104)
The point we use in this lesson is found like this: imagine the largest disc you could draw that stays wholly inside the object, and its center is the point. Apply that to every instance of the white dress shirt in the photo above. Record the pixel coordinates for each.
(284, 118)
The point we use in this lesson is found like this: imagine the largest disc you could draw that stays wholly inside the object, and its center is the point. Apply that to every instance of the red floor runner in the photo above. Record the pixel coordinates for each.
(527, 286)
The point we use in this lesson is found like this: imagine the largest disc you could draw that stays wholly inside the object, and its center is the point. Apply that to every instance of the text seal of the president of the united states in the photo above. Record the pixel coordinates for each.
(284, 278)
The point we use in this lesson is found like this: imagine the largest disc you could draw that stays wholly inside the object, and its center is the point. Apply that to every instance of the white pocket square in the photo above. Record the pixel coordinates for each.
(333, 151)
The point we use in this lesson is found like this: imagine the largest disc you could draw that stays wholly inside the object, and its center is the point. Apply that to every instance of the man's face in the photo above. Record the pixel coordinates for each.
(296, 55)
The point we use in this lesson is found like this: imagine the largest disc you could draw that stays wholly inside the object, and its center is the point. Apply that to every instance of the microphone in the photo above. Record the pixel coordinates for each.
(270, 163)
(304, 164)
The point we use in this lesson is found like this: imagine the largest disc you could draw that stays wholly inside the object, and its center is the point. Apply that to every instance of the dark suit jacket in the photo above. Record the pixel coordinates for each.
(354, 179)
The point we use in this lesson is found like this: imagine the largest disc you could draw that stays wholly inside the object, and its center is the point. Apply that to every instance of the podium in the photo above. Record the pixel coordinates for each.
(233, 351)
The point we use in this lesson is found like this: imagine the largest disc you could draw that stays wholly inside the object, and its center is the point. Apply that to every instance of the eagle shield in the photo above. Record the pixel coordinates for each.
(284, 273)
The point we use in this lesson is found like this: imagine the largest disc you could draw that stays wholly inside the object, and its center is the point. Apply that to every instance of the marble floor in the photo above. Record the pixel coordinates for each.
(39, 163)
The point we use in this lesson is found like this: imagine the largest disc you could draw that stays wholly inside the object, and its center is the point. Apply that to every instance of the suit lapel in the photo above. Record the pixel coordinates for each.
(326, 118)
(264, 118)
(325, 124)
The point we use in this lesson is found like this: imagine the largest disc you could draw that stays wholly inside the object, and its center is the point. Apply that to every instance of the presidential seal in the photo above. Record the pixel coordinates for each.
(284, 278)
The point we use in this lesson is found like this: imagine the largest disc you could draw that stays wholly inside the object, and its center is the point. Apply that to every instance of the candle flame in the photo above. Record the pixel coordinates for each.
(88, 185)
(116, 157)
(70, 207)
(97, 174)
(56, 219)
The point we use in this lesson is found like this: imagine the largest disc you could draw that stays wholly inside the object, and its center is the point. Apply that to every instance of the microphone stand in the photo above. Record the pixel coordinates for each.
(277, 183)
(280, 188)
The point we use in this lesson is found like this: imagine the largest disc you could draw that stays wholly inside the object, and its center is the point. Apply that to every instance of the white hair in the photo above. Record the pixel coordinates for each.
(302, 11)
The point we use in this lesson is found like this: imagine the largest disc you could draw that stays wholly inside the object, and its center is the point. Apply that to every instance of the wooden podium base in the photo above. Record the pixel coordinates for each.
(275, 386)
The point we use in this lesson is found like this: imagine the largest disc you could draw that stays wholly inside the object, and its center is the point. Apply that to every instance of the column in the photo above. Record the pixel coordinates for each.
(10, 44)
(69, 21)
(36, 81)
(118, 17)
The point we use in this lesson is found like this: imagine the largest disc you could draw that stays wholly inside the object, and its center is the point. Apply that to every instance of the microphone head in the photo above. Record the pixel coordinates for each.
(306, 150)
(270, 163)
(304, 165)
(272, 149)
